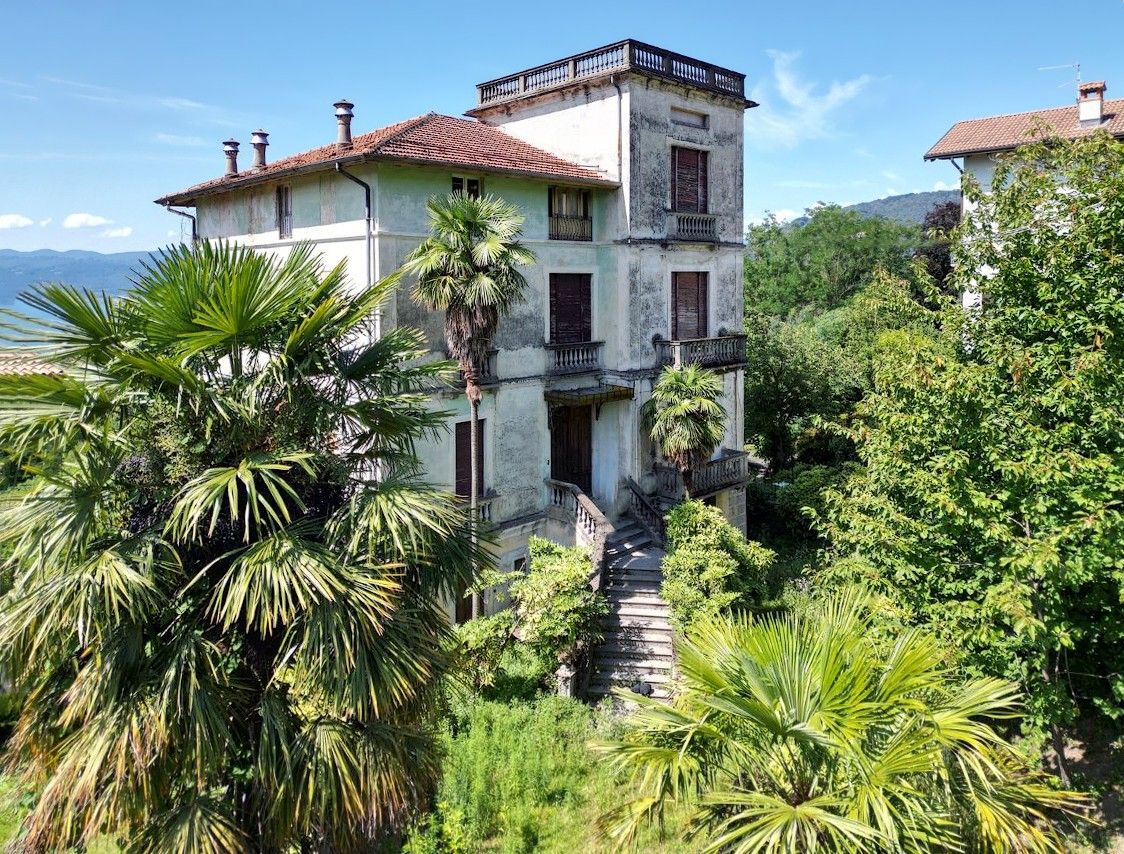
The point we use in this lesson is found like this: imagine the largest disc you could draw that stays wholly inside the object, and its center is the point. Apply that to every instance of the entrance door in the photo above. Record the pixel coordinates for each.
(571, 446)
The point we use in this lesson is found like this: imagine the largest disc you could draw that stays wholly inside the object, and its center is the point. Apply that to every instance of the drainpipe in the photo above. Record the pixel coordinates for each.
(186, 215)
(369, 237)
(620, 150)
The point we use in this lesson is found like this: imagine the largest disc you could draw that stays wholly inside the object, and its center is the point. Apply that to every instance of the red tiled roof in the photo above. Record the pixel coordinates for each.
(1003, 133)
(429, 139)
(15, 363)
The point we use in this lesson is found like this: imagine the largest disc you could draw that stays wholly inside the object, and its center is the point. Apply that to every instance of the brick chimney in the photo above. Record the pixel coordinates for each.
(1090, 103)
(259, 139)
(343, 123)
(230, 149)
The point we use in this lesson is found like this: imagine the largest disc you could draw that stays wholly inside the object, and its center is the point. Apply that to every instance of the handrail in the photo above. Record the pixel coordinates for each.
(646, 512)
(589, 521)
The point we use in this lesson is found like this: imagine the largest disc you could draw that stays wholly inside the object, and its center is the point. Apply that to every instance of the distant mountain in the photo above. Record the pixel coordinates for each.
(94, 270)
(909, 208)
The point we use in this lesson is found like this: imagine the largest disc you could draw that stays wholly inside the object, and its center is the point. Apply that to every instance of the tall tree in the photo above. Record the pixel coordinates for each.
(468, 268)
(807, 732)
(937, 228)
(994, 499)
(229, 634)
(685, 417)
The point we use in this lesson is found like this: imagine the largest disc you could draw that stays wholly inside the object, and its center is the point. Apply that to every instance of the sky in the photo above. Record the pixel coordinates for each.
(106, 106)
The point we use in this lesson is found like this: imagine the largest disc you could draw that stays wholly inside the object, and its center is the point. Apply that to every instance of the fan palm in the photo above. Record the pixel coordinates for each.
(685, 418)
(228, 632)
(468, 268)
(802, 733)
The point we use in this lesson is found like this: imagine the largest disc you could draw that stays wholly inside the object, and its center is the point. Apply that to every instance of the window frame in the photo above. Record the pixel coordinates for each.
(702, 179)
(283, 206)
(465, 183)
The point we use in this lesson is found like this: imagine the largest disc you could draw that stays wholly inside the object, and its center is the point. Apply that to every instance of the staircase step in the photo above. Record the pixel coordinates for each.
(626, 674)
(617, 643)
(639, 662)
(633, 596)
(637, 636)
(633, 622)
(604, 689)
(627, 529)
(656, 608)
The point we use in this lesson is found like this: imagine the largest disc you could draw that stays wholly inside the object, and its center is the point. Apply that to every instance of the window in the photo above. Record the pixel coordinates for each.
(689, 306)
(468, 186)
(689, 118)
(569, 214)
(571, 308)
(284, 212)
(688, 180)
(463, 474)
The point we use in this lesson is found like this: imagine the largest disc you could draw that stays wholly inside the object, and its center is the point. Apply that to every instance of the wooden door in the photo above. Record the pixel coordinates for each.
(689, 306)
(463, 486)
(571, 308)
(571, 446)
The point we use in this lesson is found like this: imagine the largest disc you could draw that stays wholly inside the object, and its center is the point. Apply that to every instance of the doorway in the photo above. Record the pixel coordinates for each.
(571, 446)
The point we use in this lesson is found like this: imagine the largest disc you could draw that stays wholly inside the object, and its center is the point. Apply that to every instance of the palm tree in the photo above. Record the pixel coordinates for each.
(685, 419)
(469, 268)
(805, 733)
(228, 632)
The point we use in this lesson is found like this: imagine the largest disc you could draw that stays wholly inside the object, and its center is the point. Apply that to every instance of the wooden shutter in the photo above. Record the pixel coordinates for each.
(689, 180)
(689, 306)
(463, 475)
(571, 308)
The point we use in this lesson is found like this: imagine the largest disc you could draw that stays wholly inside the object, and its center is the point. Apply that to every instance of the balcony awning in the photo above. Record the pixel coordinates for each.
(589, 395)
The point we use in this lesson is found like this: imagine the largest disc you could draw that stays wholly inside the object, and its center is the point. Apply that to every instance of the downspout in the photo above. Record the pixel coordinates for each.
(186, 215)
(620, 150)
(369, 237)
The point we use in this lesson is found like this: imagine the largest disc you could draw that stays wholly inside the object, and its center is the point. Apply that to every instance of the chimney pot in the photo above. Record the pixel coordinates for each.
(1090, 103)
(259, 140)
(343, 123)
(230, 148)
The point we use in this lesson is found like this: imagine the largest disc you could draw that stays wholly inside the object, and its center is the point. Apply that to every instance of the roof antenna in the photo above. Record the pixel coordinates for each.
(1076, 66)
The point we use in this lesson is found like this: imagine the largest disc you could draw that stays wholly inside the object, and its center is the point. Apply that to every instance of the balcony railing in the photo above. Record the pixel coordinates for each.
(486, 373)
(729, 469)
(571, 227)
(484, 506)
(623, 56)
(696, 227)
(574, 358)
(723, 351)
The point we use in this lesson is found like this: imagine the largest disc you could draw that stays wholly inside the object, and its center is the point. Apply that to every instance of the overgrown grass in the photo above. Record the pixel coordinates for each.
(519, 778)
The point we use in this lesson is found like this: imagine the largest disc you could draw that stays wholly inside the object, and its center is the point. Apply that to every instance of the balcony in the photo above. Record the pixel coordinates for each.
(692, 227)
(724, 351)
(571, 227)
(574, 358)
(612, 59)
(729, 469)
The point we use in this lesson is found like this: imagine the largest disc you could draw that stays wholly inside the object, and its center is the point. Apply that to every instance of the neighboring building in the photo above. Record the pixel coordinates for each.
(977, 142)
(627, 161)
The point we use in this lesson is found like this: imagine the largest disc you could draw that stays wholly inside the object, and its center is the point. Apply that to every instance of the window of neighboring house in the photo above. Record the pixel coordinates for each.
(689, 306)
(284, 212)
(570, 217)
(463, 474)
(688, 180)
(571, 308)
(690, 118)
(468, 186)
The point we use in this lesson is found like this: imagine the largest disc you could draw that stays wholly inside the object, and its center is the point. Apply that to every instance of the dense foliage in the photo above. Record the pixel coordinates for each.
(993, 503)
(805, 732)
(710, 568)
(823, 262)
(937, 229)
(227, 629)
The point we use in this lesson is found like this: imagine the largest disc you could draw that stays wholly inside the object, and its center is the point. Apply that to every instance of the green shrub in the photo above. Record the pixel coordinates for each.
(801, 488)
(710, 567)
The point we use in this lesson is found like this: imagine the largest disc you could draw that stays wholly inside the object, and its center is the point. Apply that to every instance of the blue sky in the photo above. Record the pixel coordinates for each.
(105, 106)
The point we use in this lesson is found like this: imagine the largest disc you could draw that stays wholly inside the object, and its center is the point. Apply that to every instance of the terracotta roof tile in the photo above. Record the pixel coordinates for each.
(431, 139)
(14, 363)
(1002, 133)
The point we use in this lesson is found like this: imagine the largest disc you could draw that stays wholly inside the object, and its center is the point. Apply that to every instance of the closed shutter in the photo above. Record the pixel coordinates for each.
(464, 458)
(571, 308)
(689, 306)
(689, 180)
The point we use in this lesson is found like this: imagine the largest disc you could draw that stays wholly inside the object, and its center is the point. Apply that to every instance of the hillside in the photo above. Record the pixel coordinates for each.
(909, 208)
(94, 270)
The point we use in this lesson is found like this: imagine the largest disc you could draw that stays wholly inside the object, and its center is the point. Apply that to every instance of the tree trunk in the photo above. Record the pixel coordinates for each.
(474, 485)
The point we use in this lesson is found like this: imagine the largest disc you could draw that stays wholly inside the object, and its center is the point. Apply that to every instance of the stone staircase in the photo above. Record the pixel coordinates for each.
(637, 644)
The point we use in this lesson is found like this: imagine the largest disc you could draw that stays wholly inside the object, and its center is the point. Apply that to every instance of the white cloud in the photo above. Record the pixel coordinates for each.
(782, 215)
(177, 139)
(14, 221)
(889, 176)
(801, 112)
(123, 231)
(941, 185)
(890, 191)
(84, 220)
(47, 221)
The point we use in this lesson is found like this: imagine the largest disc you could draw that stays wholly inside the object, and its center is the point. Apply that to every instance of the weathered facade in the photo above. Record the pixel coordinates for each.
(627, 162)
